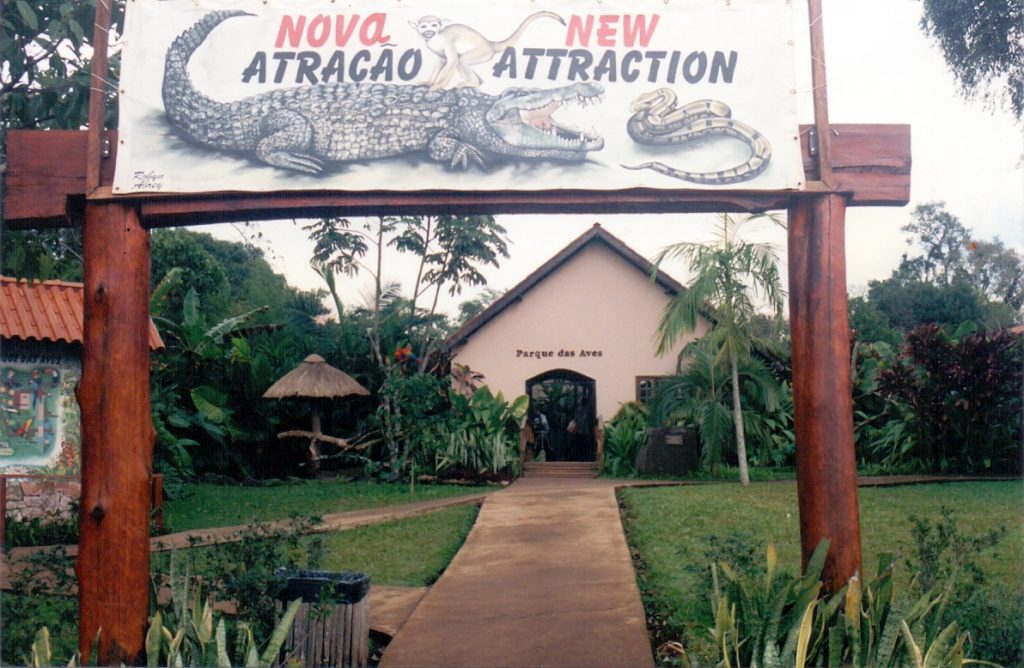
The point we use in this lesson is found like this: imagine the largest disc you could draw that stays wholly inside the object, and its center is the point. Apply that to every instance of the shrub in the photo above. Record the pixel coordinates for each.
(779, 620)
(624, 435)
(248, 571)
(34, 606)
(481, 435)
(964, 395)
(43, 531)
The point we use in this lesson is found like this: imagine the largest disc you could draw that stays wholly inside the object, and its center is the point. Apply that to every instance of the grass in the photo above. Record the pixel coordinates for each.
(412, 552)
(203, 506)
(672, 527)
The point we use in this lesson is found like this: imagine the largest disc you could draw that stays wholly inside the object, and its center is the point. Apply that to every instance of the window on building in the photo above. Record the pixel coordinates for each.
(645, 387)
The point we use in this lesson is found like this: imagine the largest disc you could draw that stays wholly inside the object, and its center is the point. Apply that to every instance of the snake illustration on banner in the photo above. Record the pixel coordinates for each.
(657, 120)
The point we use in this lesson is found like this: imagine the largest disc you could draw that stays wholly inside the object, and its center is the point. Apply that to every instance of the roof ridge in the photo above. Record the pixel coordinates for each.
(35, 281)
(594, 233)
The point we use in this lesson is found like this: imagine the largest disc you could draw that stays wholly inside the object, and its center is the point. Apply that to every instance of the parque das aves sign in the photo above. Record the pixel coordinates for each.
(416, 95)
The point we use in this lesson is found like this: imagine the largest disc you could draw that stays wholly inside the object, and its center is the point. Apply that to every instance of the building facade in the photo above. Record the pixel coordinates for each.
(578, 335)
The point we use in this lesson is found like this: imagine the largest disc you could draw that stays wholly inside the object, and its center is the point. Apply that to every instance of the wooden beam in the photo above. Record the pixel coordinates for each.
(46, 186)
(117, 436)
(99, 79)
(822, 405)
(820, 93)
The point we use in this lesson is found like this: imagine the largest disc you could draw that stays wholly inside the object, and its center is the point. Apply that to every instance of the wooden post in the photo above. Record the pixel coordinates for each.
(3, 510)
(820, 93)
(117, 436)
(98, 82)
(157, 501)
(822, 405)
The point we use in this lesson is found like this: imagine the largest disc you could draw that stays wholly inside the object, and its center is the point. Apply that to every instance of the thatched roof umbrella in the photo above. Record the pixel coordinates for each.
(315, 379)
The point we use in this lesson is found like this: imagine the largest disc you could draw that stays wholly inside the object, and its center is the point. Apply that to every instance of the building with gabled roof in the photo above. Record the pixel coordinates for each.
(578, 335)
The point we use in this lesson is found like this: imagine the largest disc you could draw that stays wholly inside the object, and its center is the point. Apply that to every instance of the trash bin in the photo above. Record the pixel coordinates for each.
(332, 627)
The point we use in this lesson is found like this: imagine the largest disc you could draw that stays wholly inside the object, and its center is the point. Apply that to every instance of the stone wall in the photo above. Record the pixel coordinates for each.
(48, 498)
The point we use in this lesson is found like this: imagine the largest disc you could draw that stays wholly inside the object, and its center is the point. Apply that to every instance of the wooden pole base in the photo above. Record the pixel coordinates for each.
(117, 436)
(822, 404)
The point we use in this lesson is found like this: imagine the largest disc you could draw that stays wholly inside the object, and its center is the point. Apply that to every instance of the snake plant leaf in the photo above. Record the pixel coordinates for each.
(773, 562)
(817, 561)
(174, 647)
(716, 590)
(94, 649)
(835, 646)
(790, 649)
(41, 651)
(942, 651)
(805, 635)
(280, 633)
(154, 639)
(721, 620)
(851, 620)
(890, 632)
(913, 650)
(771, 658)
(252, 659)
(221, 636)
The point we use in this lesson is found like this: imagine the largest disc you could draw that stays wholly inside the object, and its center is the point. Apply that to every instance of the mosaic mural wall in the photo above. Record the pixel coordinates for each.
(40, 430)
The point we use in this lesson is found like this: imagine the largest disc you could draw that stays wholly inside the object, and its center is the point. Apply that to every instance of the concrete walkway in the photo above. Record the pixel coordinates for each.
(544, 578)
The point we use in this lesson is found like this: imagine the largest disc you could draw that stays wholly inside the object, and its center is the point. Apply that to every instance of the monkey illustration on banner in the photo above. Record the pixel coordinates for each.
(459, 47)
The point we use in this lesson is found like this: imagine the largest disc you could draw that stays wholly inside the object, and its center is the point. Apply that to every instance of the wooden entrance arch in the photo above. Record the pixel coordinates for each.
(64, 178)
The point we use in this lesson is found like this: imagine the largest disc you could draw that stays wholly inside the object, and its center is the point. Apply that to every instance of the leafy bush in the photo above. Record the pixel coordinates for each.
(964, 395)
(247, 571)
(945, 556)
(185, 632)
(34, 606)
(482, 434)
(701, 396)
(779, 620)
(411, 411)
(43, 531)
(624, 435)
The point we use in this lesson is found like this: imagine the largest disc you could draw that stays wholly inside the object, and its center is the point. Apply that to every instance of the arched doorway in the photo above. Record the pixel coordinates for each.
(562, 411)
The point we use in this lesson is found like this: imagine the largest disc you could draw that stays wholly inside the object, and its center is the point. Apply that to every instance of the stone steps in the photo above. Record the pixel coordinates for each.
(560, 470)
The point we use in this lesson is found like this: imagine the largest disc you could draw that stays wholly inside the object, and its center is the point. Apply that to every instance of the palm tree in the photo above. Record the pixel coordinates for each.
(700, 395)
(730, 273)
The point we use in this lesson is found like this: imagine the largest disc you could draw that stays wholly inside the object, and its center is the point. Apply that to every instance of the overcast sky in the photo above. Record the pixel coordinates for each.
(881, 69)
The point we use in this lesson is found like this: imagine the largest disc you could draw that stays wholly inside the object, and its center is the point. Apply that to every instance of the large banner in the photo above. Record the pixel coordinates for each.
(457, 95)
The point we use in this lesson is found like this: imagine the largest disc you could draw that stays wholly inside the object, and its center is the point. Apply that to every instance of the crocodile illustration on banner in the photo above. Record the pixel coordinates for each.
(305, 128)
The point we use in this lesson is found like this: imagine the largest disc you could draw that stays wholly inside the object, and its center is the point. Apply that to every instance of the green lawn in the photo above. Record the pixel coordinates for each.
(203, 505)
(671, 527)
(411, 552)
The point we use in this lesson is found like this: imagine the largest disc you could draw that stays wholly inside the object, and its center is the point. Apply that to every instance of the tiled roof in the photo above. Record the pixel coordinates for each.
(46, 311)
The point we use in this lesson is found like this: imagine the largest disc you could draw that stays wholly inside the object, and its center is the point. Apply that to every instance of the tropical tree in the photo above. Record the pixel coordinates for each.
(701, 395)
(730, 274)
(452, 250)
(47, 54)
(983, 44)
